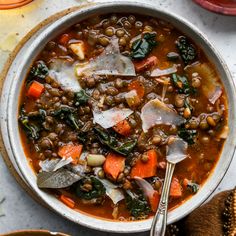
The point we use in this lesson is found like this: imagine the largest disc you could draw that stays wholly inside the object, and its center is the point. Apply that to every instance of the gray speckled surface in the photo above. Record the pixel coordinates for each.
(21, 212)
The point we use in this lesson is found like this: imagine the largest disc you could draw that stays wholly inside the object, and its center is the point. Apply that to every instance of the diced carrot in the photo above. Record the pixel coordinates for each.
(35, 90)
(64, 39)
(175, 188)
(70, 150)
(145, 64)
(185, 182)
(114, 165)
(154, 201)
(123, 128)
(138, 87)
(68, 201)
(145, 169)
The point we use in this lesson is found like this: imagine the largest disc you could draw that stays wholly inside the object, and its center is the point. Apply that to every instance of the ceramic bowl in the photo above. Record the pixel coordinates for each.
(10, 103)
(35, 232)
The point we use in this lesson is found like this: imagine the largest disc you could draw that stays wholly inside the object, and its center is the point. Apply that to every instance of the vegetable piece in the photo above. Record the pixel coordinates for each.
(95, 160)
(31, 129)
(67, 201)
(132, 99)
(156, 112)
(111, 117)
(158, 72)
(66, 113)
(143, 46)
(38, 71)
(138, 87)
(145, 169)
(181, 83)
(70, 150)
(187, 51)
(187, 135)
(172, 56)
(145, 64)
(137, 204)
(111, 142)
(114, 165)
(78, 49)
(81, 98)
(54, 164)
(97, 190)
(149, 193)
(35, 90)
(192, 187)
(123, 128)
(60, 178)
(175, 188)
(64, 39)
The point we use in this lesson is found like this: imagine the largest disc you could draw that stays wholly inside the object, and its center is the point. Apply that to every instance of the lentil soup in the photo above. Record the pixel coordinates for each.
(101, 105)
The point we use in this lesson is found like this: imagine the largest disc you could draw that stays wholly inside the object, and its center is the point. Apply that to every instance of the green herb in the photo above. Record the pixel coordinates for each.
(38, 71)
(181, 83)
(187, 50)
(187, 135)
(66, 113)
(111, 142)
(137, 204)
(193, 187)
(81, 98)
(98, 190)
(31, 129)
(172, 56)
(142, 47)
(39, 115)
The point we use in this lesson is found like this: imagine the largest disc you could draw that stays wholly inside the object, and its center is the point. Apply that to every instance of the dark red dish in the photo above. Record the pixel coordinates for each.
(226, 7)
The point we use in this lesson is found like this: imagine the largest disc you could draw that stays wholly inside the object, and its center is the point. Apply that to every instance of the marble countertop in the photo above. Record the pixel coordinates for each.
(19, 210)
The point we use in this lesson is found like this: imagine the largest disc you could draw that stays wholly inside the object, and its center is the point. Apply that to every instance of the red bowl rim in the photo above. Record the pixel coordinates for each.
(217, 8)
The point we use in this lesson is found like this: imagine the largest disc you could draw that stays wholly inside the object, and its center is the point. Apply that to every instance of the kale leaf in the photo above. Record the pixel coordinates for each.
(193, 187)
(67, 114)
(187, 135)
(110, 141)
(181, 83)
(81, 98)
(31, 129)
(39, 71)
(137, 204)
(39, 115)
(187, 50)
(98, 190)
(142, 47)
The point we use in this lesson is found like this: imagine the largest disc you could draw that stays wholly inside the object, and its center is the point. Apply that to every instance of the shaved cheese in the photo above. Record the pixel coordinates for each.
(111, 117)
(156, 112)
(147, 188)
(78, 49)
(63, 72)
(157, 72)
(54, 164)
(109, 62)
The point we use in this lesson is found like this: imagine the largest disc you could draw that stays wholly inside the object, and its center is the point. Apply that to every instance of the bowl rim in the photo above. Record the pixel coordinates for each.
(214, 7)
(34, 231)
(96, 223)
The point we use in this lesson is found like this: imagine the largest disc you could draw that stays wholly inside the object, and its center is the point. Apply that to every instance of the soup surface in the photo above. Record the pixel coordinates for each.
(107, 101)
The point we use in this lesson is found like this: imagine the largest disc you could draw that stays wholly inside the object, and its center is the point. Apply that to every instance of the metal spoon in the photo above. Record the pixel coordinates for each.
(176, 152)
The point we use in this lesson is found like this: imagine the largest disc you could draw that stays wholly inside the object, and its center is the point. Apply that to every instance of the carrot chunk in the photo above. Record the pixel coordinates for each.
(114, 165)
(123, 128)
(146, 169)
(68, 201)
(175, 188)
(138, 87)
(70, 150)
(154, 201)
(64, 39)
(145, 64)
(35, 90)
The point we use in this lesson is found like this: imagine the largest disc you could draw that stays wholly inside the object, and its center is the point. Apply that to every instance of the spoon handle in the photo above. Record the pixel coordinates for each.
(160, 219)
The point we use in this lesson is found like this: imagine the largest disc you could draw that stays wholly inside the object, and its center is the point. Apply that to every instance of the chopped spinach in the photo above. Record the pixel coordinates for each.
(81, 98)
(137, 204)
(32, 130)
(66, 113)
(187, 135)
(38, 71)
(142, 47)
(98, 190)
(187, 50)
(110, 141)
(172, 56)
(193, 187)
(181, 83)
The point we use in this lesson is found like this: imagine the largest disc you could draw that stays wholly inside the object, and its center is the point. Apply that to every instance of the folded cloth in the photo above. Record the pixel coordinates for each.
(215, 218)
